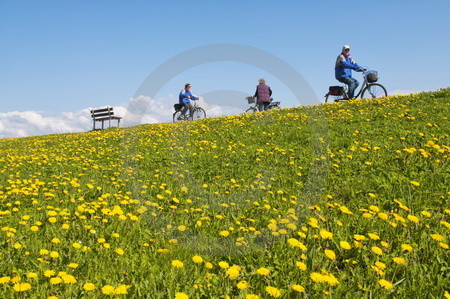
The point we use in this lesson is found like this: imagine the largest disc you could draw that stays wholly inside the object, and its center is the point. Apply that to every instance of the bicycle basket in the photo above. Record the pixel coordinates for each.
(372, 76)
(336, 90)
(178, 107)
(250, 100)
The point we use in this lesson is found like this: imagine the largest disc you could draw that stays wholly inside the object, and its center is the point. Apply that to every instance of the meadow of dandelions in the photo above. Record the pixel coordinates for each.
(347, 199)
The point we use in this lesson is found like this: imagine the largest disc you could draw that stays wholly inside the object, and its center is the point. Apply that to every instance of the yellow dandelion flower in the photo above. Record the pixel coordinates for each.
(56, 240)
(386, 284)
(108, 290)
(251, 296)
(345, 210)
(345, 245)
(437, 237)
(330, 254)
(224, 233)
(380, 265)
(177, 264)
(301, 265)
(413, 218)
(223, 265)
(69, 279)
(445, 223)
(49, 273)
(263, 271)
(233, 271)
(197, 259)
(22, 287)
(383, 216)
(72, 265)
(273, 291)
(415, 183)
(324, 234)
(119, 251)
(399, 260)
(298, 288)
(242, 285)
(180, 295)
(360, 237)
(407, 247)
(32, 275)
(4, 279)
(373, 236)
(443, 245)
(317, 277)
(89, 286)
(122, 289)
(377, 250)
(55, 280)
(208, 265)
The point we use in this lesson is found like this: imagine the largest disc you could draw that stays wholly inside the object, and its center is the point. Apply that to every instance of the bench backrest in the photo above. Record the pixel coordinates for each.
(101, 113)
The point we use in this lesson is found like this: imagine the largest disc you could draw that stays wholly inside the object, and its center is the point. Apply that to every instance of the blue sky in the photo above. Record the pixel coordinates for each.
(65, 56)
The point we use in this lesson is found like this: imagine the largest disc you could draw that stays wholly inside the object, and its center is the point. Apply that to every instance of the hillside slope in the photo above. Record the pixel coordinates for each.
(347, 199)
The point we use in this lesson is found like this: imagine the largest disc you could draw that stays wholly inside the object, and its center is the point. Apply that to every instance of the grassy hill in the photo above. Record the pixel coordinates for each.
(346, 199)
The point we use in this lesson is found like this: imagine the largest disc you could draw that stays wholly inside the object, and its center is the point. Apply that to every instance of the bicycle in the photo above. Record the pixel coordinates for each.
(197, 112)
(369, 89)
(254, 108)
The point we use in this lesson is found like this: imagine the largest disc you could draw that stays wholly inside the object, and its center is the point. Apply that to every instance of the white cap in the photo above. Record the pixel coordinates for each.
(346, 47)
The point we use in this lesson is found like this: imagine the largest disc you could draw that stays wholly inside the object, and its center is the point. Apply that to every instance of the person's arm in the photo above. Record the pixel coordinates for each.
(256, 92)
(347, 65)
(270, 91)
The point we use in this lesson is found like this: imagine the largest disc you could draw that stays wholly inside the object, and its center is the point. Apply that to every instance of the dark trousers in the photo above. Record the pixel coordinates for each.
(352, 84)
(262, 106)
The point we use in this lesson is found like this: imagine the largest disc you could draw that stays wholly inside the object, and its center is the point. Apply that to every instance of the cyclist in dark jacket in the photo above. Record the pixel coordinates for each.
(263, 93)
(343, 70)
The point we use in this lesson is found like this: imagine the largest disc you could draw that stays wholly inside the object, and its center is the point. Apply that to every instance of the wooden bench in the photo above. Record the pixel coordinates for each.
(104, 114)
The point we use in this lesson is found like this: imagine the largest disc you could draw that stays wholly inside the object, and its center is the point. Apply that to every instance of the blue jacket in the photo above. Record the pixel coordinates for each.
(344, 66)
(183, 97)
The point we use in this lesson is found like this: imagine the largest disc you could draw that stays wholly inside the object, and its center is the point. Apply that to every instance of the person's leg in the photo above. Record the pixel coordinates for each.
(184, 109)
(352, 85)
(266, 106)
(191, 108)
(260, 106)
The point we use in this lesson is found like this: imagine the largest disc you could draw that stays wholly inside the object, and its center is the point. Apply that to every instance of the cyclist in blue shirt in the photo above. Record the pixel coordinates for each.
(185, 98)
(343, 70)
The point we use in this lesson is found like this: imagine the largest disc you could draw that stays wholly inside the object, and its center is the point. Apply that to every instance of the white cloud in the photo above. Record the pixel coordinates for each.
(138, 110)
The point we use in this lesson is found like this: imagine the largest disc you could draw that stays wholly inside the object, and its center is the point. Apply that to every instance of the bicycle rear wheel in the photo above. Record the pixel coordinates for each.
(177, 117)
(198, 113)
(374, 91)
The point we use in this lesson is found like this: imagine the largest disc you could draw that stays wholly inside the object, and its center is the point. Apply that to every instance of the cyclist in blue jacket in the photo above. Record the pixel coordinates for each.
(343, 70)
(185, 98)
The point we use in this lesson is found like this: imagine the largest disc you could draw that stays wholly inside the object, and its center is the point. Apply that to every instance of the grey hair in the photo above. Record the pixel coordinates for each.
(262, 81)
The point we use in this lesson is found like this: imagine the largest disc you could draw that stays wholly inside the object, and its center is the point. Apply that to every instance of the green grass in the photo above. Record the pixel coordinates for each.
(235, 189)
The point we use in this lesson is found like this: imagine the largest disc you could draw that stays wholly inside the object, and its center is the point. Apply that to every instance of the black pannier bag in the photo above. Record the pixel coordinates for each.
(336, 90)
(178, 107)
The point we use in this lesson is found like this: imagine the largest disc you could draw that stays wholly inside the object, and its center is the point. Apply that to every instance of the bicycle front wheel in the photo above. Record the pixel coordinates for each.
(177, 117)
(374, 91)
(198, 113)
(251, 110)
